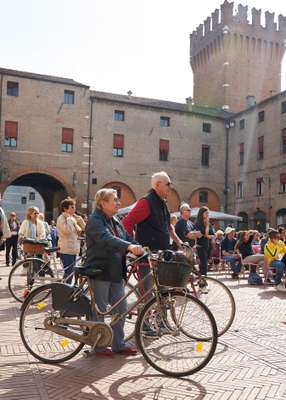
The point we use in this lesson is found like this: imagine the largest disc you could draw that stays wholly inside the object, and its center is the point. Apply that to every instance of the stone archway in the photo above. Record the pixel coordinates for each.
(125, 193)
(259, 221)
(281, 217)
(51, 189)
(205, 197)
(173, 200)
(242, 225)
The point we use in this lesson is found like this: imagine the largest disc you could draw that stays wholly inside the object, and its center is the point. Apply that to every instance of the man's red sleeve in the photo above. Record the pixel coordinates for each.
(138, 214)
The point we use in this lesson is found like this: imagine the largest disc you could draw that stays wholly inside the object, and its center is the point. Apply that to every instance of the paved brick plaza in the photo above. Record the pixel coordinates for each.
(250, 361)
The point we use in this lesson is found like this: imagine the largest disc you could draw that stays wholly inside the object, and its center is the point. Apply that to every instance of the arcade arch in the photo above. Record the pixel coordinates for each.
(125, 193)
(51, 189)
(205, 197)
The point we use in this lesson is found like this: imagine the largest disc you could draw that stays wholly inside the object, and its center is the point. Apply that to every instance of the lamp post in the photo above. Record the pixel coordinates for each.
(268, 181)
(228, 124)
(89, 160)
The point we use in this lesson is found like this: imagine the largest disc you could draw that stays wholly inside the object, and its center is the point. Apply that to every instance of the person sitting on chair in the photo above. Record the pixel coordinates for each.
(228, 252)
(274, 252)
(245, 249)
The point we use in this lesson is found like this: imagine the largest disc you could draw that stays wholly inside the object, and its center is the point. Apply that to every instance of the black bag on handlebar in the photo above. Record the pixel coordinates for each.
(173, 269)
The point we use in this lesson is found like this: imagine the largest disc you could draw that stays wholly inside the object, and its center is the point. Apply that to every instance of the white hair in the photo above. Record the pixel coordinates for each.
(184, 206)
(157, 177)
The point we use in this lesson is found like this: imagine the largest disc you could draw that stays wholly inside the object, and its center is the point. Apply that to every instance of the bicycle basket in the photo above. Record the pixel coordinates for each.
(173, 274)
(34, 247)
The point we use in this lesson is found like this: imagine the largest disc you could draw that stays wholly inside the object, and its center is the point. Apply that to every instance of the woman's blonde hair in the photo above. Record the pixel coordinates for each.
(31, 211)
(103, 195)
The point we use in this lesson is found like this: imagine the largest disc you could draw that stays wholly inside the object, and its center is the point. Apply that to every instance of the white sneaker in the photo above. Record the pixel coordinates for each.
(280, 287)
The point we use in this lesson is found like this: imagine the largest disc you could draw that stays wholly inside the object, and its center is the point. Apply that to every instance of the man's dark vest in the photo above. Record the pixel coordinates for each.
(154, 230)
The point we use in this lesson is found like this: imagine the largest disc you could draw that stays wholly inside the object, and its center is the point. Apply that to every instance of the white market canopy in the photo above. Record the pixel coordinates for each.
(220, 216)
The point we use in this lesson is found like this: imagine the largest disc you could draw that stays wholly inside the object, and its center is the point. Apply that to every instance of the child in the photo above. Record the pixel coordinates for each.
(274, 252)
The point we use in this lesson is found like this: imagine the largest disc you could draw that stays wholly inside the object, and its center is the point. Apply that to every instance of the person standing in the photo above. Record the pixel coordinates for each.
(150, 219)
(184, 228)
(32, 227)
(204, 243)
(5, 232)
(69, 227)
(54, 233)
(106, 246)
(12, 242)
(47, 228)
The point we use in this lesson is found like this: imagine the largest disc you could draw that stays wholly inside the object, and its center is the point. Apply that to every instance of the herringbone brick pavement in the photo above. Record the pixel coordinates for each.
(250, 361)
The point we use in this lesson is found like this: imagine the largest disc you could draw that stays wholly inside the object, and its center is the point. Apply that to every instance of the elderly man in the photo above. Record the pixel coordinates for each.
(184, 228)
(151, 218)
(227, 250)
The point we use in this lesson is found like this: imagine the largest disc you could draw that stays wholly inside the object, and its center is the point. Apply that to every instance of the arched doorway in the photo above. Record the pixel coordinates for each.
(124, 192)
(242, 225)
(49, 188)
(174, 201)
(281, 217)
(259, 221)
(205, 197)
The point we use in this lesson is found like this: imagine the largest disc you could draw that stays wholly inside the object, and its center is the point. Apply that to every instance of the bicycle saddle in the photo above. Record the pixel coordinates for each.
(51, 249)
(89, 271)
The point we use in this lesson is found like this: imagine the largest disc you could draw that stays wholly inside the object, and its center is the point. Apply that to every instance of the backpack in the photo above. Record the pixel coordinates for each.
(254, 279)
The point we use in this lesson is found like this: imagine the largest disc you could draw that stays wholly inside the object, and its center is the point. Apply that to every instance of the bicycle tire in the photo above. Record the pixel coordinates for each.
(31, 301)
(221, 303)
(201, 353)
(19, 279)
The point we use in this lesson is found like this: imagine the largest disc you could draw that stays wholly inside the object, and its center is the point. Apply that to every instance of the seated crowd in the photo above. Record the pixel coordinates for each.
(244, 249)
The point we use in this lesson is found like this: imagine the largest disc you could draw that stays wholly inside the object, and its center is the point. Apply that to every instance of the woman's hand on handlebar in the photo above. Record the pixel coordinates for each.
(136, 249)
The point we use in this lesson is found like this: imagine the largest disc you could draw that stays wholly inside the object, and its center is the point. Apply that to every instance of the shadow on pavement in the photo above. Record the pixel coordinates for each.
(269, 294)
(81, 378)
(153, 386)
(94, 378)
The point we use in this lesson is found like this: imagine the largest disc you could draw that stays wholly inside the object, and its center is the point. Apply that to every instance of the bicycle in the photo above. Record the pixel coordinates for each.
(31, 272)
(56, 321)
(212, 292)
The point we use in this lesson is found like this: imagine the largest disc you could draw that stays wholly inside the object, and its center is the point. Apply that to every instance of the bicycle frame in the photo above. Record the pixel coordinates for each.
(52, 323)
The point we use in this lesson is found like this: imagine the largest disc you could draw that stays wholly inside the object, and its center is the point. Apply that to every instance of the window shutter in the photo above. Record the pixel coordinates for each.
(260, 144)
(67, 136)
(11, 130)
(284, 136)
(282, 178)
(164, 145)
(118, 141)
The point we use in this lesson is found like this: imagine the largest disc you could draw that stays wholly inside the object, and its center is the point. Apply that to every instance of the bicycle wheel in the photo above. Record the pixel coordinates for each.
(24, 277)
(43, 344)
(219, 299)
(169, 349)
(131, 317)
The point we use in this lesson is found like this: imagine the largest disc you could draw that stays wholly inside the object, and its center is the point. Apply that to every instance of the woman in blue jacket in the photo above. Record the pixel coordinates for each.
(107, 243)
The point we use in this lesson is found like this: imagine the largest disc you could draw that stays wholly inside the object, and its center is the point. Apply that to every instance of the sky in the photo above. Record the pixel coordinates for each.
(111, 45)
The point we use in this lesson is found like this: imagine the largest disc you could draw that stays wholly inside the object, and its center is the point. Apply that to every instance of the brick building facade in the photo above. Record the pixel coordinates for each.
(62, 138)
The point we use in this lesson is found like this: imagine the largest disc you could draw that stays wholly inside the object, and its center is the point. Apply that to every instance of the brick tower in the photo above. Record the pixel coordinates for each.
(232, 58)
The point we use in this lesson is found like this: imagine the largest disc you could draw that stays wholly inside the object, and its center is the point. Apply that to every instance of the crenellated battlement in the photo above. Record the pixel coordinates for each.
(233, 57)
(238, 22)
